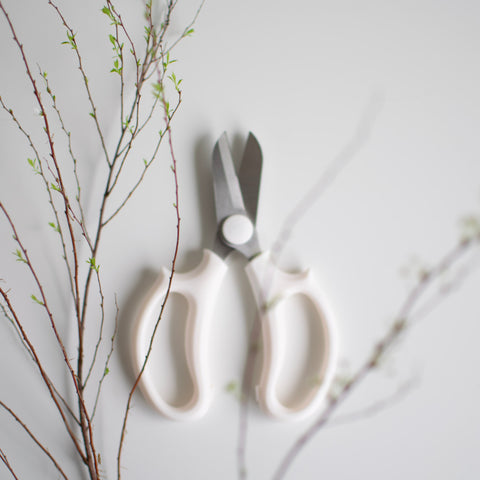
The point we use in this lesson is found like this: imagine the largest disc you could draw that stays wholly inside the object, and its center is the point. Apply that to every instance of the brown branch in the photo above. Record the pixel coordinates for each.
(84, 77)
(80, 221)
(4, 459)
(107, 361)
(43, 374)
(49, 136)
(148, 164)
(34, 438)
(30, 354)
(162, 309)
(84, 417)
(41, 171)
(100, 333)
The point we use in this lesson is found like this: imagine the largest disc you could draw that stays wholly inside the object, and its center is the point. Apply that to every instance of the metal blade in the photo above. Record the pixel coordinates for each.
(250, 174)
(227, 191)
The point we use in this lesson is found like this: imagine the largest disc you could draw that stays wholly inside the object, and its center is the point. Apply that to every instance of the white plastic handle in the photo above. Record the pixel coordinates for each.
(271, 286)
(199, 287)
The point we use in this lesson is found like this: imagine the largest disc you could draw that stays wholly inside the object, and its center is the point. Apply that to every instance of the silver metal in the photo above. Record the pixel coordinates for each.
(249, 175)
(229, 195)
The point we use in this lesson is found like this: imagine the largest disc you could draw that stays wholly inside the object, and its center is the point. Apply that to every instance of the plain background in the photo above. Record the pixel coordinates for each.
(301, 76)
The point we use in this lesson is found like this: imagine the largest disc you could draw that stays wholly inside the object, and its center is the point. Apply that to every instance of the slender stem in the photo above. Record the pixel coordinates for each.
(4, 459)
(84, 77)
(160, 315)
(393, 334)
(43, 374)
(34, 438)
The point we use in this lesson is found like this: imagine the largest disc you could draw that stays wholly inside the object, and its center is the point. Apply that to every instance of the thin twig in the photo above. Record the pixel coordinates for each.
(377, 407)
(38, 166)
(43, 374)
(162, 309)
(401, 323)
(4, 459)
(80, 221)
(81, 68)
(336, 166)
(359, 138)
(30, 354)
(34, 438)
(102, 324)
(107, 361)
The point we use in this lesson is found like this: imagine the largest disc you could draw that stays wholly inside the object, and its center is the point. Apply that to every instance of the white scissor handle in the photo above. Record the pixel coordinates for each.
(199, 287)
(271, 286)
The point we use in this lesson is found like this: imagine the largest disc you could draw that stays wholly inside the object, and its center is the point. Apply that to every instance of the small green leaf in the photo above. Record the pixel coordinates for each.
(71, 40)
(36, 300)
(55, 187)
(93, 264)
(189, 32)
(20, 258)
(106, 372)
(54, 226)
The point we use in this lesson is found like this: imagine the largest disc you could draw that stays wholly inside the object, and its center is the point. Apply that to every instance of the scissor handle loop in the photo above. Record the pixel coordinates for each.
(271, 286)
(199, 287)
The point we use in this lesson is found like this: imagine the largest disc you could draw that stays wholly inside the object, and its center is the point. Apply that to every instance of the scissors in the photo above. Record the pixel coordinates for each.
(236, 200)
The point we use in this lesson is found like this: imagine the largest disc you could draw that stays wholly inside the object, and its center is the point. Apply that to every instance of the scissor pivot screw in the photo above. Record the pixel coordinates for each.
(237, 229)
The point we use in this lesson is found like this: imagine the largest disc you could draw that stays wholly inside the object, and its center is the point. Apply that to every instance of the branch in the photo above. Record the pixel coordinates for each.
(378, 406)
(162, 309)
(4, 459)
(34, 438)
(32, 357)
(73, 43)
(359, 138)
(43, 374)
(403, 320)
(107, 361)
(337, 165)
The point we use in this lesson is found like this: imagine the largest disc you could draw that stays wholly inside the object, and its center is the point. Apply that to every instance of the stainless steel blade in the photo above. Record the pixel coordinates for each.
(227, 191)
(229, 200)
(250, 174)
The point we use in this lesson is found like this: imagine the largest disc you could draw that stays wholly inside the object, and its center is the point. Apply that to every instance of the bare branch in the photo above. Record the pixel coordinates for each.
(162, 309)
(336, 166)
(403, 320)
(73, 41)
(4, 459)
(34, 438)
(106, 369)
(43, 374)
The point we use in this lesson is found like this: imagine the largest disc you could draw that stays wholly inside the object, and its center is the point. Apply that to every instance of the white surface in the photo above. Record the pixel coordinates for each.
(300, 75)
